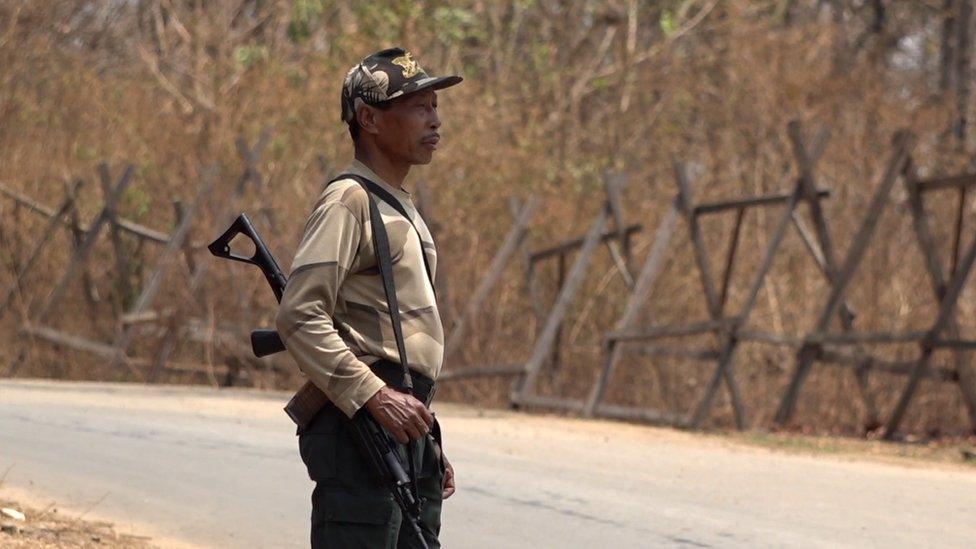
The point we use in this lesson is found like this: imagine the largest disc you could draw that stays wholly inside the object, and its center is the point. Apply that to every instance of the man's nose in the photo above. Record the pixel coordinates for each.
(435, 121)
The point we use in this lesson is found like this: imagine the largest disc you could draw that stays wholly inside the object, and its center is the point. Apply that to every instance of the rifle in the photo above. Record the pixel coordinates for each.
(374, 442)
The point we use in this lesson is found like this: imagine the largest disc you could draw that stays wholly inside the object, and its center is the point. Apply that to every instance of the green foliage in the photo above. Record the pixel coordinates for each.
(602, 82)
(296, 77)
(668, 22)
(137, 200)
(84, 153)
(304, 15)
(454, 24)
(384, 21)
(278, 146)
(249, 55)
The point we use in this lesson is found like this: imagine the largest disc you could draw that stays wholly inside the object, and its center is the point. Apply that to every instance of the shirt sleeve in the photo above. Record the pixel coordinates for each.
(304, 320)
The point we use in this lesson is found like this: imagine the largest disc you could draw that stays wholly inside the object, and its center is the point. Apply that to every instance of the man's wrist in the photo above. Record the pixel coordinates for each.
(374, 401)
(358, 398)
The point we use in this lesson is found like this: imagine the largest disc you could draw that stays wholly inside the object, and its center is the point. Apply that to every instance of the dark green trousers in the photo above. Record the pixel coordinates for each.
(350, 509)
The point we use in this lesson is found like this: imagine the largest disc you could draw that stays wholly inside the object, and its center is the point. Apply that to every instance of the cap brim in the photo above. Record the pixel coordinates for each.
(441, 82)
(429, 83)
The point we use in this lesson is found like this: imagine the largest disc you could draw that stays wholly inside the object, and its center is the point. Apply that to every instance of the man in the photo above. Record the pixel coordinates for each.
(334, 318)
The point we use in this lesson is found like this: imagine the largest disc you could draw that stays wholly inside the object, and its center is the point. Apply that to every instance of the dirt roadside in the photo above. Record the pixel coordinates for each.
(48, 528)
(945, 453)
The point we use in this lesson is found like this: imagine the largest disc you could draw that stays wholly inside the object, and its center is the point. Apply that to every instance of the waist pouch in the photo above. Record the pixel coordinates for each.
(309, 400)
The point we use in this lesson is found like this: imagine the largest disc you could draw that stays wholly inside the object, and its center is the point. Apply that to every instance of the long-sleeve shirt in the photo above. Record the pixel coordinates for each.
(333, 317)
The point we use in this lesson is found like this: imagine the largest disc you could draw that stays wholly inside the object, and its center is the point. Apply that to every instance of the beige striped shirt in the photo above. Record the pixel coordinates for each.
(333, 316)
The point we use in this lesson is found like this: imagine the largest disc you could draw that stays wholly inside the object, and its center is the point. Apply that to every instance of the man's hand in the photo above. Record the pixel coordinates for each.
(449, 487)
(405, 417)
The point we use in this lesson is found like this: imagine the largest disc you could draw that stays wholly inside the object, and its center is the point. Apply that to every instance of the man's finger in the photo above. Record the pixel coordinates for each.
(412, 432)
(449, 487)
(400, 435)
(426, 415)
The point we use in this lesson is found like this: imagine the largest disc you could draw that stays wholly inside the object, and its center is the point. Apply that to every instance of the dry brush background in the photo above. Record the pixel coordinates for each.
(556, 93)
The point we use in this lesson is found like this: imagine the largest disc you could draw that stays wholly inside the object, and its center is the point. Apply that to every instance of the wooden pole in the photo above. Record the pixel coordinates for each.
(80, 257)
(926, 242)
(121, 258)
(731, 341)
(77, 239)
(20, 276)
(649, 273)
(612, 188)
(712, 299)
(545, 341)
(509, 246)
(226, 211)
(946, 309)
(902, 144)
(806, 161)
(176, 244)
(127, 225)
(88, 244)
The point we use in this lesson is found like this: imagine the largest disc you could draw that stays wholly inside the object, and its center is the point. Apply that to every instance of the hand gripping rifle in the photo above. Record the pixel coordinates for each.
(374, 443)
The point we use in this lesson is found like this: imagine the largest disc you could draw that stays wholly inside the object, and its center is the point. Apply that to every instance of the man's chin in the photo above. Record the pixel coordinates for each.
(422, 159)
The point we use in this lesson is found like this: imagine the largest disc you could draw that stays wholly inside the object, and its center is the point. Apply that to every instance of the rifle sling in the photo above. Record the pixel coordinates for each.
(385, 196)
(381, 246)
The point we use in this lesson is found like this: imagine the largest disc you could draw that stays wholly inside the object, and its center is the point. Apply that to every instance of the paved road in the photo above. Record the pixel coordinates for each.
(200, 467)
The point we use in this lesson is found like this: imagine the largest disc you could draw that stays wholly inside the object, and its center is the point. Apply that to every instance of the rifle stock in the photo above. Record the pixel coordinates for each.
(266, 342)
(263, 342)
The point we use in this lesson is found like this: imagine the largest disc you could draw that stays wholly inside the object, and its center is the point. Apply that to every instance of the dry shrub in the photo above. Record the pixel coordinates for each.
(556, 93)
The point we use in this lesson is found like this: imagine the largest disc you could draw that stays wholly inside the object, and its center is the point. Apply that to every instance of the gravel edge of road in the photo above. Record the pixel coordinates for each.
(51, 528)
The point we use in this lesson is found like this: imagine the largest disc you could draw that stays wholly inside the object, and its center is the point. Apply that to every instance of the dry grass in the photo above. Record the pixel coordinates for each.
(555, 94)
(46, 529)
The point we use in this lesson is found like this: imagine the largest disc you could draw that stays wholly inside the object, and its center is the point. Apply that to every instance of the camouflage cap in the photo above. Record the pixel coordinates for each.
(386, 75)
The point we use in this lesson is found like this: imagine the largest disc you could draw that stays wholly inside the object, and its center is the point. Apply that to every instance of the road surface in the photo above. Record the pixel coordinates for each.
(220, 468)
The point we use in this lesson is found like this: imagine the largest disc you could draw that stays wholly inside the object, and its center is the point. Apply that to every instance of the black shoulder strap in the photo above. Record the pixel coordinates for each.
(381, 246)
(381, 243)
(395, 204)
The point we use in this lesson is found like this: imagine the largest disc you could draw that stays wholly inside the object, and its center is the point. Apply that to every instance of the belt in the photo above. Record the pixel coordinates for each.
(392, 374)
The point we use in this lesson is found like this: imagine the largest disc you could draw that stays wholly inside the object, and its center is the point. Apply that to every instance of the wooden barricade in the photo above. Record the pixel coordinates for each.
(847, 348)
(522, 214)
(947, 284)
(545, 348)
(727, 329)
(171, 325)
(178, 323)
(800, 208)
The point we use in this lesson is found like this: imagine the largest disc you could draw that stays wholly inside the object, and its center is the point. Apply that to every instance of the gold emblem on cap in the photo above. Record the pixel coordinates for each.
(410, 67)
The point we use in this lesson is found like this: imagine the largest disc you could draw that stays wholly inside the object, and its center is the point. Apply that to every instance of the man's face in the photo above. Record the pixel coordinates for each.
(407, 129)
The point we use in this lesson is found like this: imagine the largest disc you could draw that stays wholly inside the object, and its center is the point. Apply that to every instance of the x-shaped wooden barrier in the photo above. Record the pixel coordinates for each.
(22, 272)
(87, 236)
(942, 332)
(523, 391)
(78, 260)
(522, 215)
(250, 177)
(177, 244)
(728, 329)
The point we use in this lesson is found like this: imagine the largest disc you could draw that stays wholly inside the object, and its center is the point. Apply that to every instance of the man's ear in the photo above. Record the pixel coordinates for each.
(366, 116)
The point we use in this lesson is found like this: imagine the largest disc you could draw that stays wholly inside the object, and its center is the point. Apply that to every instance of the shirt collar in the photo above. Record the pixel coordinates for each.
(360, 169)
